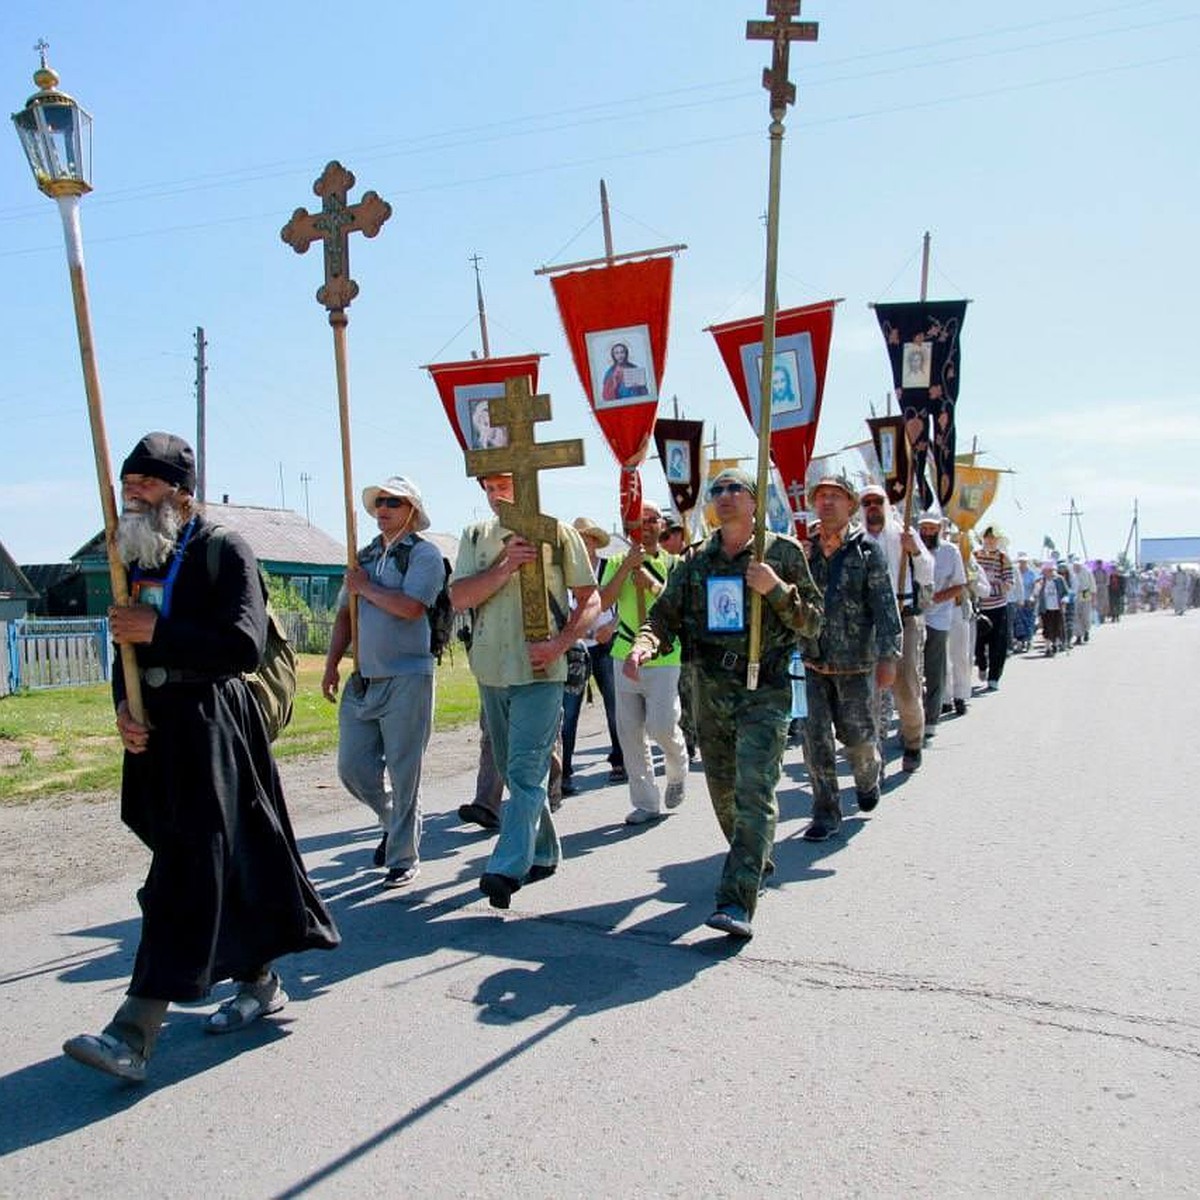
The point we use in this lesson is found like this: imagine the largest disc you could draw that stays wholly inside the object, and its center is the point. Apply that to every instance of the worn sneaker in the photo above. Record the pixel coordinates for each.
(911, 761)
(733, 920)
(674, 795)
(399, 877)
(107, 1053)
(868, 801)
(821, 831)
(640, 816)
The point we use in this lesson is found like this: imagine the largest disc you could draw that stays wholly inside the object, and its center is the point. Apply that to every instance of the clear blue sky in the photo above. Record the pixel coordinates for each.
(1048, 149)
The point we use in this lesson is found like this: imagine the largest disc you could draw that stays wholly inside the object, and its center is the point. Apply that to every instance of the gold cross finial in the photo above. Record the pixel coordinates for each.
(782, 31)
(333, 226)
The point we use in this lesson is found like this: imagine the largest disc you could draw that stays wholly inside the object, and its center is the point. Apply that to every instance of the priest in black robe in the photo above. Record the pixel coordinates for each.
(227, 892)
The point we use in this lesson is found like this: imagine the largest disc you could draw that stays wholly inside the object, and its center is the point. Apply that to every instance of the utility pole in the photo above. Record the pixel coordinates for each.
(1135, 538)
(475, 260)
(201, 451)
(1073, 522)
(305, 479)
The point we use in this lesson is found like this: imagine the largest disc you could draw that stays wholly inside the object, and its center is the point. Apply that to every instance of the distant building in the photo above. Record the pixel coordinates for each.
(284, 543)
(16, 591)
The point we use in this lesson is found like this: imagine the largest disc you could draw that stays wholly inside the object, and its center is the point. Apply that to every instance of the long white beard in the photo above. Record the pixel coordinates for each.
(146, 536)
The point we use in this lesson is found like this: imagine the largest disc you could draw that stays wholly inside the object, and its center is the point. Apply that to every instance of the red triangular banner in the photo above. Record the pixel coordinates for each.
(802, 337)
(616, 319)
(466, 389)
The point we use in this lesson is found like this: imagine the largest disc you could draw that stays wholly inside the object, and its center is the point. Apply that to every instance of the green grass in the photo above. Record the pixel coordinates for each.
(65, 740)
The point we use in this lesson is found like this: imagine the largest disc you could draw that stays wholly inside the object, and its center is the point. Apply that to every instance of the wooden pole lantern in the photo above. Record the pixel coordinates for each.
(56, 136)
(333, 226)
(781, 31)
(518, 411)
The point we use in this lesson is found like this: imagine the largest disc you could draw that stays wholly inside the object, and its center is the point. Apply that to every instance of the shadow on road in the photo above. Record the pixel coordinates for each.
(558, 966)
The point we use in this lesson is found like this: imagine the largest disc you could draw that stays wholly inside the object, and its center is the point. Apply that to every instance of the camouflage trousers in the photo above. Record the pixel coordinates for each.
(742, 736)
(841, 704)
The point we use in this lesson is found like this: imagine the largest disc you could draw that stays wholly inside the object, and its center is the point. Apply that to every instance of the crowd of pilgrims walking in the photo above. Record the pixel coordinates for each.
(862, 622)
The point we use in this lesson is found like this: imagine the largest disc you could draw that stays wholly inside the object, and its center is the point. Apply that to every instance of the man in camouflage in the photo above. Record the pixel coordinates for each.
(742, 733)
(861, 636)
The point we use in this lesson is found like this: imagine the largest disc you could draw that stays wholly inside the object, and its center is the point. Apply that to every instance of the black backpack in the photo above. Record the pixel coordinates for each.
(441, 611)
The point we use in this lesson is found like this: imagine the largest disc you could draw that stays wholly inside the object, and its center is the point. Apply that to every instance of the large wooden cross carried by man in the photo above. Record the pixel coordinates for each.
(518, 411)
(333, 226)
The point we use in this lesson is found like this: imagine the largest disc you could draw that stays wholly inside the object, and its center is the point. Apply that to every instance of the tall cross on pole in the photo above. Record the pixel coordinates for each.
(518, 411)
(333, 226)
(781, 31)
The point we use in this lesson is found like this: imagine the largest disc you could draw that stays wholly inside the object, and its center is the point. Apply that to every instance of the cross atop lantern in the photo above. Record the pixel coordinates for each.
(56, 135)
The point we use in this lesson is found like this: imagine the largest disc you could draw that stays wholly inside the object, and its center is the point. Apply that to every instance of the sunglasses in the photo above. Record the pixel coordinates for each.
(872, 502)
(390, 501)
(719, 489)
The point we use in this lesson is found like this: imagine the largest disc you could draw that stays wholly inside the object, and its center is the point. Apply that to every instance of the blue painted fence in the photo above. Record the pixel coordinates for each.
(46, 653)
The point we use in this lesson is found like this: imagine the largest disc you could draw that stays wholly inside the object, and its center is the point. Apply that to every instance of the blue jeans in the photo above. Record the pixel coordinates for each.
(523, 725)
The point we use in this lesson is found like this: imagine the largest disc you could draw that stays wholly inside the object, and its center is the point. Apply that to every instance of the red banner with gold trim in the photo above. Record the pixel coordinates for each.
(802, 338)
(616, 320)
(467, 388)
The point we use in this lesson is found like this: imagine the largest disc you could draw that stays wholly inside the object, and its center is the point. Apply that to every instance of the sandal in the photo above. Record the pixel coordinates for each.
(251, 1002)
(107, 1053)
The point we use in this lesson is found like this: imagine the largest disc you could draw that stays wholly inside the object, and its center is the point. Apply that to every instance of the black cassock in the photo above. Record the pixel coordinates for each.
(227, 891)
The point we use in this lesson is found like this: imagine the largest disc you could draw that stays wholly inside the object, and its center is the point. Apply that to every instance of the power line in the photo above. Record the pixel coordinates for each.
(457, 137)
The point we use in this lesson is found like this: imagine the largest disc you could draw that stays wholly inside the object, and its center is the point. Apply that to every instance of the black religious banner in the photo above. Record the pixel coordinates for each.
(922, 339)
(891, 450)
(678, 445)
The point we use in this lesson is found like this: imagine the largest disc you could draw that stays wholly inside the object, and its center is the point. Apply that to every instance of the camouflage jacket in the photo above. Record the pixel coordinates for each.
(685, 609)
(862, 622)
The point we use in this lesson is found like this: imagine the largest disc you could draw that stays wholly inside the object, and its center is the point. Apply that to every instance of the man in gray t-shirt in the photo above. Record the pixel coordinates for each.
(386, 713)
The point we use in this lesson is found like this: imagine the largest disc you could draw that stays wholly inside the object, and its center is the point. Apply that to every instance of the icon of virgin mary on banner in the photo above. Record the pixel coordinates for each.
(616, 319)
(680, 450)
(802, 337)
(467, 390)
(922, 339)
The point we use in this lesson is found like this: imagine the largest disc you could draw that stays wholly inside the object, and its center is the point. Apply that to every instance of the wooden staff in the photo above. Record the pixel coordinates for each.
(908, 494)
(781, 31)
(333, 226)
(69, 209)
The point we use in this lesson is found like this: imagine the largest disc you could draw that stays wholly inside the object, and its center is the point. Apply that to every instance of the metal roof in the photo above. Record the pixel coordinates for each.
(281, 535)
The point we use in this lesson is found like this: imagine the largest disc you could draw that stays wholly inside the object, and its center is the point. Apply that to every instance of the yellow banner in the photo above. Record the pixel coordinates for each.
(974, 491)
(715, 467)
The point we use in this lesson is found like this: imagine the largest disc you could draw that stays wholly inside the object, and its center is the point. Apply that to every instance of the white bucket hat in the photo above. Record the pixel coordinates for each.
(397, 485)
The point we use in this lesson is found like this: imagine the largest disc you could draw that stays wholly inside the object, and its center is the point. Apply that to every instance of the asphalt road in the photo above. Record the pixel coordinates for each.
(987, 988)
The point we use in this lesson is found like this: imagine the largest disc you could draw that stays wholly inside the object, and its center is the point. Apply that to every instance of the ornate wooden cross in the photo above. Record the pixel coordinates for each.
(782, 30)
(333, 225)
(518, 410)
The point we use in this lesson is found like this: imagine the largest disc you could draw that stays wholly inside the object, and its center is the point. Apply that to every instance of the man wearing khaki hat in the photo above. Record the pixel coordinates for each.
(386, 714)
